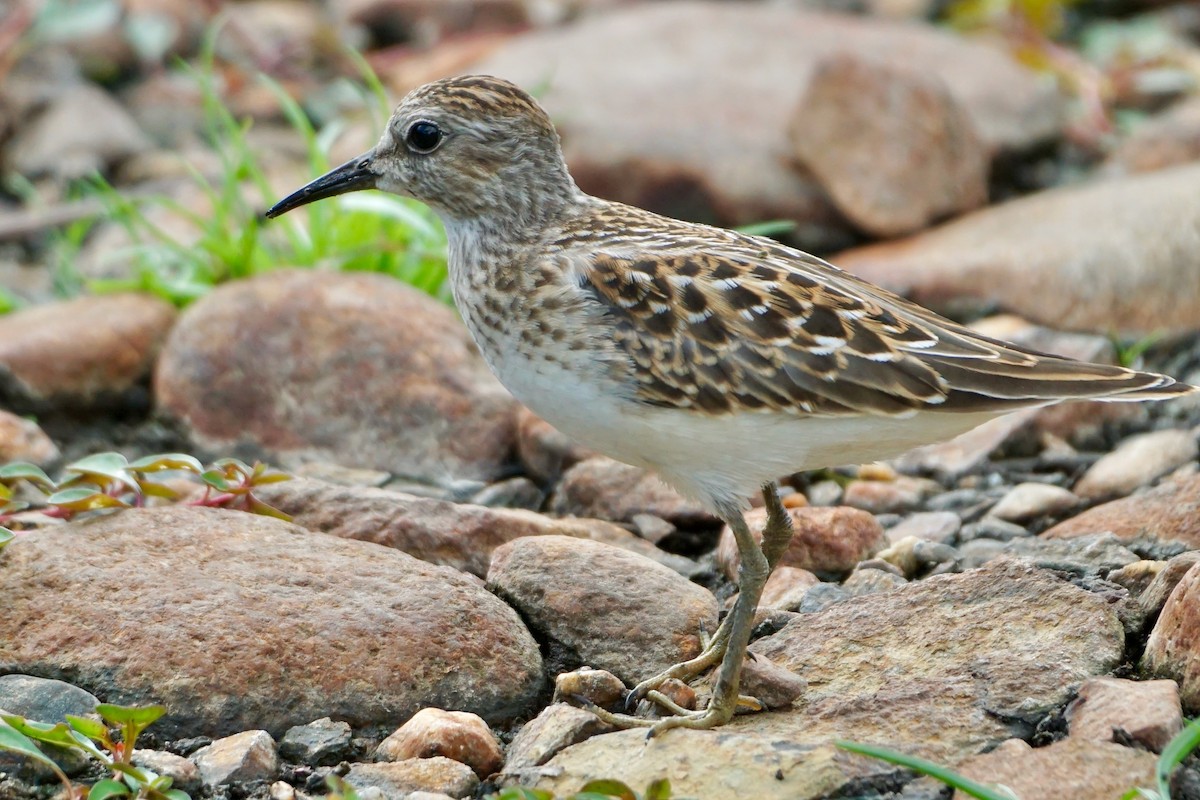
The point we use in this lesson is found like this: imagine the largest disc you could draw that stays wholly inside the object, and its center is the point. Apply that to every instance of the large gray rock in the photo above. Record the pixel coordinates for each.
(236, 621)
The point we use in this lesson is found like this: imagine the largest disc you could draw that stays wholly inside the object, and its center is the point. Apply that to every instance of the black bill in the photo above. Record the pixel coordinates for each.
(349, 177)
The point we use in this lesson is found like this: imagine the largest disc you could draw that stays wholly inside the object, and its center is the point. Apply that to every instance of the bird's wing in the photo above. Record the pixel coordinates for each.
(742, 323)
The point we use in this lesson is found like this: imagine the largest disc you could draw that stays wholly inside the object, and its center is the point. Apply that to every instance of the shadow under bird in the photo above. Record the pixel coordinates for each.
(717, 359)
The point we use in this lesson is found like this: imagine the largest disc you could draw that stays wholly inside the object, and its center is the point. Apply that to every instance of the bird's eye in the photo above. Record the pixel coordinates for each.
(423, 136)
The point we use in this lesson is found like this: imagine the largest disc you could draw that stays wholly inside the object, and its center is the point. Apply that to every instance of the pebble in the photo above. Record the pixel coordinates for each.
(869, 581)
(397, 780)
(243, 757)
(598, 686)
(1070, 769)
(512, 493)
(1137, 461)
(1148, 712)
(821, 597)
(825, 540)
(786, 587)
(934, 526)
(602, 488)
(897, 496)
(991, 528)
(770, 684)
(319, 743)
(183, 772)
(22, 440)
(1028, 501)
(824, 493)
(1173, 649)
(44, 699)
(1085, 555)
(1165, 513)
(558, 726)
(458, 735)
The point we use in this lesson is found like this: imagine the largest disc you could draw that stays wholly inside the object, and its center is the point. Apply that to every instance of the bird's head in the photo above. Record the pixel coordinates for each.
(469, 147)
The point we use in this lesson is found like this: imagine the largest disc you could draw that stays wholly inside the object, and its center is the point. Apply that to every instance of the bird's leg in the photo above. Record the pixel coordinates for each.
(776, 535)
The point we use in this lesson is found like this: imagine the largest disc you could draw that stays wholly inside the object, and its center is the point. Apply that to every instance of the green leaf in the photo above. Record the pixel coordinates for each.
(176, 794)
(658, 790)
(14, 741)
(23, 471)
(84, 499)
(522, 793)
(141, 716)
(91, 728)
(58, 734)
(106, 789)
(216, 479)
(256, 506)
(976, 790)
(608, 788)
(109, 467)
(1179, 748)
(167, 461)
(6, 536)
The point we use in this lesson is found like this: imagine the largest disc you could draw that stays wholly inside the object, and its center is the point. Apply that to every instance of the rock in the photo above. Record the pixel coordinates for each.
(512, 493)
(267, 361)
(771, 685)
(892, 146)
(991, 528)
(1170, 512)
(1147, 712)
(1169, 139)
(44, 699)
(962, 454)
(183, 772)
(627, 83)
(611, 609)
(243, 757)
(22, 440)
(606, 489)
(977, 552)
(1085, 555)
(1173, 649)
(822, 596)
(558, 726)
(80, 353)
(1136, 462)
(426, 22)
(457, 735)
(1071, 769)
(889, 497)
(546, 452)
(84, 130)
(1113, 255)
(786, 587)
(1154, 598)
(1028, 501)
(869, 581)
(597, 686)
(458, 535)
(398, 780)
(829, 540)
(933, 526)
(824, 493)
(319, 625)
(319, 743)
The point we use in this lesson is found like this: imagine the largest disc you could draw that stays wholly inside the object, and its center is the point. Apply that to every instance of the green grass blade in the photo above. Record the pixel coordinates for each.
(1179, 748)
(929, 768)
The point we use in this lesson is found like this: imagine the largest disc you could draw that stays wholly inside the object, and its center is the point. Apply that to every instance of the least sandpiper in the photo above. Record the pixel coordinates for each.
(719, 360)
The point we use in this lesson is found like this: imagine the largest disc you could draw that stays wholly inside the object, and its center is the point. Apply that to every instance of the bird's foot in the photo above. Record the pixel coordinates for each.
(713, 652)
(717, 713)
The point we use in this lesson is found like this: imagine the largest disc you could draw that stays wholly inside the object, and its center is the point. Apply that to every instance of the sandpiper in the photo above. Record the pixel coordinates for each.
(717, 359)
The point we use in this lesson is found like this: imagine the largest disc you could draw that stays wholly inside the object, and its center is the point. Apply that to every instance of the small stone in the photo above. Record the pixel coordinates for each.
(1173, 649)
(544, 450)
(614, 609)
(44, 699)
(1166, 513)
(821, 597)
(598, 686)
(877, 471)
(606, 489)
(282, 790)
(22, 440)
(935, 526)
(977, 552)
(652, 528)
(558, 726)
(680, 693)
(512, 493)
(1027, 501)
(320, 743)
(824, 493)
(896, 496)
(771, 684)
(870, 581)
(246, 756)
(1136, 462)
(902, 555)
(397, 780)
(458, 735)
(1070, 769)
(1137, 577)
(786, 587)
(183, 772)
(1085, 555)
(91, 350)
(931, 555)
(1152, 600)
(995, 529)
(1146, 711)
(826, 540)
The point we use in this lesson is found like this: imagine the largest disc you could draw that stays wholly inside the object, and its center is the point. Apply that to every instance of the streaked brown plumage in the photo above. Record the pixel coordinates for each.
(718, 359)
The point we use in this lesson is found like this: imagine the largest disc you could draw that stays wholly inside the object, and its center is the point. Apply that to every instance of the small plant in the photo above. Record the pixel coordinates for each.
(593, 790)
(93, 739)
(108, 481)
